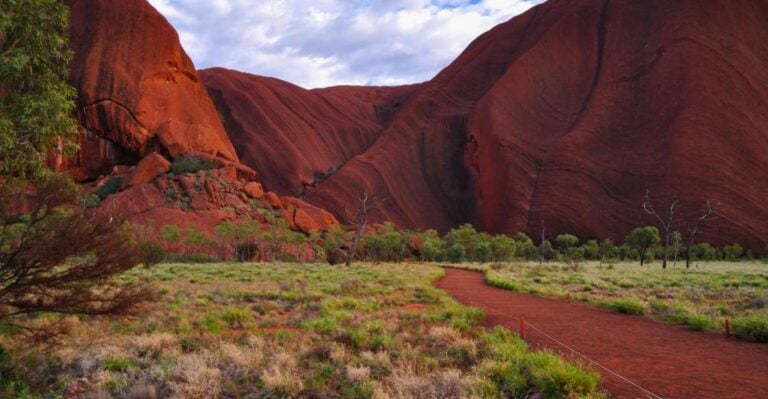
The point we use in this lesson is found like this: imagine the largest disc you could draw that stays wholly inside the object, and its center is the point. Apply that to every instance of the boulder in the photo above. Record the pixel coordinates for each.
(228, 173)
(149, 168)
(273, 200)
(305, 222)
(254, 190)
(309, 217)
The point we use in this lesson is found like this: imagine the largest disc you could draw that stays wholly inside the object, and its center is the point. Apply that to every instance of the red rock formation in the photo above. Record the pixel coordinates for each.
(565, 114)
(294, 138)
(138, 91)
(150, 167)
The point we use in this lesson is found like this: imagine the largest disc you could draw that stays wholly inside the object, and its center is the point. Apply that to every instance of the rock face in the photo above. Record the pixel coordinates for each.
(564, 115)
(138, 91)
(296, 138)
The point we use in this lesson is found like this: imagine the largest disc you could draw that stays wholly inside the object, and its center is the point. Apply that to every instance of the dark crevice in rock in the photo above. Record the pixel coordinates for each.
(601, 30)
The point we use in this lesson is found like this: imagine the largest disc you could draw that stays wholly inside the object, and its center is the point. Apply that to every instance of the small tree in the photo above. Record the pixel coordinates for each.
(643, 238)
(546, 251)
(607, 250)
(502, 248)
(566, 243)
(524, 246)
(732, 252)
(665, 222)
(455, 253)
(434, 246)
(333, 241)
(58, 258)
(591, 250)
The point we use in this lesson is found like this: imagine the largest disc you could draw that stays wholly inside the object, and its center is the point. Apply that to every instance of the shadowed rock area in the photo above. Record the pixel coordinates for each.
(296, 138)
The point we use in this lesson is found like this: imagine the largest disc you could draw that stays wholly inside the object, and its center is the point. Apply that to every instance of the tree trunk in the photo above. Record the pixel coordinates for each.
(642, 257)
(353, 247)
(688, 258)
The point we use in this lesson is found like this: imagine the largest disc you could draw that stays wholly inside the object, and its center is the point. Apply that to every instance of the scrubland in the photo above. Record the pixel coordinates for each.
(288, 330)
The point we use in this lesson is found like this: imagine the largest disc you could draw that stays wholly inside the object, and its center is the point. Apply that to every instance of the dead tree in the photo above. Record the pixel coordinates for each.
(665, 221)
(542, 247)
(693, 229)
(360, 223)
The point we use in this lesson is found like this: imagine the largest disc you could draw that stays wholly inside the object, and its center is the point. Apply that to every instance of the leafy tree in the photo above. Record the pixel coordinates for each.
(238, 236)
(566, 243)
(455, 253)
(36, 102)
(196, 239)
(643, 238)
(333, 246)
(296, 240)
(703, 251)
(608, 250)
(732, 252)
(591, 250)
(59, 258)
(434, 246)
(171, 234)
(525, 248)
(465, 236)
(502, 248)
(546, 251)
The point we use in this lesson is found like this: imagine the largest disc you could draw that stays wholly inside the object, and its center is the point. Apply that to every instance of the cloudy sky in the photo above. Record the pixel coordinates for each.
(318, 43)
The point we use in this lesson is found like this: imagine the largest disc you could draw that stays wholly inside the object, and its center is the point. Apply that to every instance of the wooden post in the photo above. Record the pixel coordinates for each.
(522, 328)
(570, 297)
(727, 328)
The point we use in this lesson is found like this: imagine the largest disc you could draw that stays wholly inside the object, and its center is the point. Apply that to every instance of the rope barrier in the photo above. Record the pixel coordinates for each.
(592, 361)
(587, 358)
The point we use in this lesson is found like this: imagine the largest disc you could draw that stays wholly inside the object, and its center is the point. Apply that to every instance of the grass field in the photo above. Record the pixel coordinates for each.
(701, 297)
(288, 330)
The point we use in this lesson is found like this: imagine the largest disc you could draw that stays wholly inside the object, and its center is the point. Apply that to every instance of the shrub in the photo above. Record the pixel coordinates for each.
(631, 306)
(751, 328)
(699, 322)
(455, 253)
(557, 378)
(110, 187)
(235, 317)
(119, 364)
(60, 259)
(189, 164)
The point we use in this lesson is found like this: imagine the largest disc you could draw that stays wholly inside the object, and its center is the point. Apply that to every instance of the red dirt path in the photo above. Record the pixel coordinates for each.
(669, 360)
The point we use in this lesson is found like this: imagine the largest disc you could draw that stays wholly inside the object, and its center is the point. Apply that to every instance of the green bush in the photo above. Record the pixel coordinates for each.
(119, 364)
(110, 187)
(189, 164)
(700, 322)
(235, 317)
(557, 378)
(631, 306)
(152, 253)
(751, 328)
(91, 201)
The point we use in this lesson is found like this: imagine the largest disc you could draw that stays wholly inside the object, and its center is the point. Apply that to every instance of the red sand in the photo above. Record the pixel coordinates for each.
(669, 360)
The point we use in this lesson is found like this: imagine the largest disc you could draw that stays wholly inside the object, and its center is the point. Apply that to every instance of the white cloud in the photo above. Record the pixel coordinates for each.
(317, 43)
